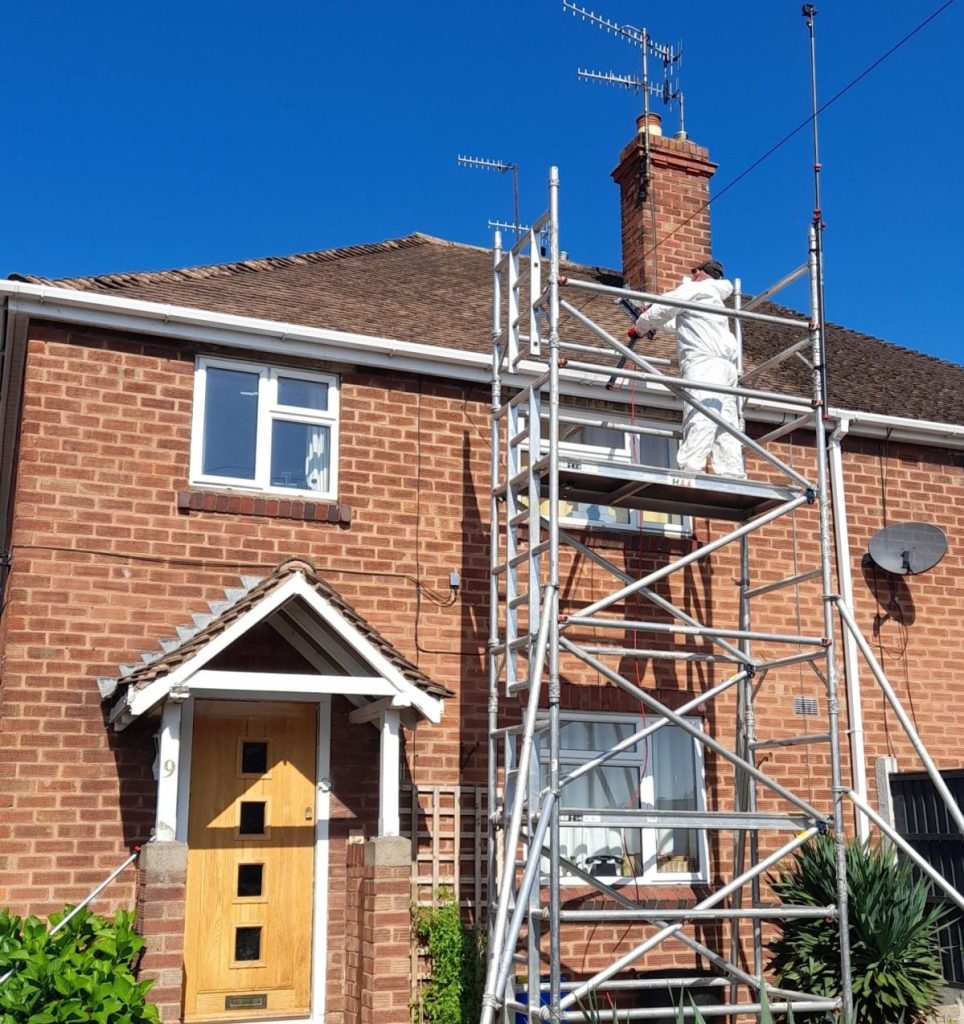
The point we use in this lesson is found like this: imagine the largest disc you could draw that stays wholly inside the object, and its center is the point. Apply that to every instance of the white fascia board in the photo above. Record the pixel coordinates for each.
(429, 706)
(280, 338)
(207, 680)
(137, 702)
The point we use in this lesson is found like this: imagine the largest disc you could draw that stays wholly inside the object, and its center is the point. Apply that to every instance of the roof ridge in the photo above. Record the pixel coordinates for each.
(207, 271)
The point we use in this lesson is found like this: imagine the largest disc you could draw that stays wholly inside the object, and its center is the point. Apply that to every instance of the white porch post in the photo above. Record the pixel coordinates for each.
(168, 769)
(389, 774)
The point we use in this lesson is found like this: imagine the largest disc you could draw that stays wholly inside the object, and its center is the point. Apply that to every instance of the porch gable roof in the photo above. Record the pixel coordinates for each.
(313, 618)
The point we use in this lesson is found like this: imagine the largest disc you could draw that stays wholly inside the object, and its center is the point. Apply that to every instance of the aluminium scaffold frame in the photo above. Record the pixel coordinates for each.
(528, 637)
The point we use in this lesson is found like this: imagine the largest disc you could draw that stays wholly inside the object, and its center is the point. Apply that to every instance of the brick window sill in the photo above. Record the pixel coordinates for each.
(269, 507)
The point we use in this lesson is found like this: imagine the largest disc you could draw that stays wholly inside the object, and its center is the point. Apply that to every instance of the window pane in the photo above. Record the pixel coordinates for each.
(300, 455)
(595, 514)
(599, 851)
(675, 789)
(597, 437)
(247, 944)
(250, 879)
(594, 734)
(230, 423)
(305, 394)
(252, 818)
(655, 451)
(254, 757)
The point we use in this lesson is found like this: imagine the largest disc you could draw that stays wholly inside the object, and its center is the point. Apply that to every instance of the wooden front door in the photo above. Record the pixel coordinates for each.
(251, 838)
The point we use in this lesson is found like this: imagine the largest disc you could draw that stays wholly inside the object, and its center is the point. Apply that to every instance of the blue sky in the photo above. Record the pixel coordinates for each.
(163, 135)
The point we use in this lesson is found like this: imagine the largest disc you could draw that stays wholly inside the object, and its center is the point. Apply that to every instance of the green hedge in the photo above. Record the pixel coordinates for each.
(81, 975)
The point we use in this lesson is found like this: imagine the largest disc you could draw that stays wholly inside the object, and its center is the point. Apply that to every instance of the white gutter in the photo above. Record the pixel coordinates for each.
(845, 583)
(280, 338)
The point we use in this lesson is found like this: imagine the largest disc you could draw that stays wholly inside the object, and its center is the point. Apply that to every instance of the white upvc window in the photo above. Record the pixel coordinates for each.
(268, 429)
(664, 770)
(577, 441)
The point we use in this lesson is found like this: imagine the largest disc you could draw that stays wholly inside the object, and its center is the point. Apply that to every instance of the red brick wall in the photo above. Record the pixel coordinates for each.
(665, 226)
(105, 564)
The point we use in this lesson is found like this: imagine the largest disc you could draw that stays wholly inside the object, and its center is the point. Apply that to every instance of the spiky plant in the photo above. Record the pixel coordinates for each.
(894, 935)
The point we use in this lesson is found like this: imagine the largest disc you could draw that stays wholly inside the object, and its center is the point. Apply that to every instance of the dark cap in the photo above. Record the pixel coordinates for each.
(712, 267)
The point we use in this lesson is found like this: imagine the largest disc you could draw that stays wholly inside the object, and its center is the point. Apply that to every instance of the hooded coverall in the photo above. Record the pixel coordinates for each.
(707, 352)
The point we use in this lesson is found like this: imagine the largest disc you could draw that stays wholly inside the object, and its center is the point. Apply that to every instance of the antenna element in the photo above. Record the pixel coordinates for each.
(484, 164)
(670, 56)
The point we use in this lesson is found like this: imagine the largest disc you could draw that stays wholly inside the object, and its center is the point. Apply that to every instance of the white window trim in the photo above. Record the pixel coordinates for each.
(269, 410)
(626, 455)
(572, 757)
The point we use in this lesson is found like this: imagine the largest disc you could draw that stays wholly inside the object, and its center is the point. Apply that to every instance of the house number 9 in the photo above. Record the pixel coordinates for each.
(169, 767)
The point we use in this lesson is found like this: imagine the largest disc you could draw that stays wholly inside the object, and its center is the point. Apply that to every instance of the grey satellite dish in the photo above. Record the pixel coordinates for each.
(908, 548)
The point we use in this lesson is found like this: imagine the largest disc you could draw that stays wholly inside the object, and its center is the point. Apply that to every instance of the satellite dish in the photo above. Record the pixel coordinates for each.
(908, 548)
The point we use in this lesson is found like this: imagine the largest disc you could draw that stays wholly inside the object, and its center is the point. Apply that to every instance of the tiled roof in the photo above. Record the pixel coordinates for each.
(224, 611)
(424, 289)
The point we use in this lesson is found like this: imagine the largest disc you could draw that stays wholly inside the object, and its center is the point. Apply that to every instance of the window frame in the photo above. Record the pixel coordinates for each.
(571, 757)
(269, 411)
(627, 455)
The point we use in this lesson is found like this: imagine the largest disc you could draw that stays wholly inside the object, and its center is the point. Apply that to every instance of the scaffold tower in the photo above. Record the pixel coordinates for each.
(546, 347)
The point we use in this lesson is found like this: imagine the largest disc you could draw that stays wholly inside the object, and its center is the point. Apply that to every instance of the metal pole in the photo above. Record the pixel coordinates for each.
(553, 590)
(493, 666)
(898, 840)
(932, 770)
(711, 901)
(83, 903)
(833, 709)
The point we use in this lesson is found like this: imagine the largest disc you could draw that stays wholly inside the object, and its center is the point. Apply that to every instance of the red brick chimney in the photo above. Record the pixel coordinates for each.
(678, 189)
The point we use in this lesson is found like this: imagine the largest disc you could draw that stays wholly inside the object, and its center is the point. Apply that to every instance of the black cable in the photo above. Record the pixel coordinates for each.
(803, 124)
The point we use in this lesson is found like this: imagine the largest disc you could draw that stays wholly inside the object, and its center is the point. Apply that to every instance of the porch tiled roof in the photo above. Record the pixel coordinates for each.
(235, 604)
(427, 290)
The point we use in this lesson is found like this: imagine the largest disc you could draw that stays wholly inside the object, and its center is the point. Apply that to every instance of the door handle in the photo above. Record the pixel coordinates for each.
(309, 814)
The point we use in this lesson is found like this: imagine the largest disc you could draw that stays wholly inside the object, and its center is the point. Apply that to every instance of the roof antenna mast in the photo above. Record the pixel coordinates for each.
(670, 56)
(810, 12)
(669, 91)
(482, 163)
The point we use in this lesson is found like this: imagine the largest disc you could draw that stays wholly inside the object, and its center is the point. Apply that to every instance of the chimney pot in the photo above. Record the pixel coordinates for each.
(651, 123)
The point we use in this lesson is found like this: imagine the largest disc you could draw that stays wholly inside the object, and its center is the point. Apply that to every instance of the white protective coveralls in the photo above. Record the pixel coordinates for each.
(707, 352)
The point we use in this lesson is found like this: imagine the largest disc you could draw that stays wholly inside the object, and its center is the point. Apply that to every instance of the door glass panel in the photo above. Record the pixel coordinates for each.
(254, 757)
(252, 818)
(247, 944)
(250, 879)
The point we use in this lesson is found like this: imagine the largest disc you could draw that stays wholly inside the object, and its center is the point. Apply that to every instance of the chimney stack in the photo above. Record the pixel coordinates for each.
(677, 190)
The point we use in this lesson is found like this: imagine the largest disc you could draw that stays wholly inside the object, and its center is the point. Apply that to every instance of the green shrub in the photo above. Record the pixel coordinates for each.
(894, 936)
(453, 993)
(81, 974)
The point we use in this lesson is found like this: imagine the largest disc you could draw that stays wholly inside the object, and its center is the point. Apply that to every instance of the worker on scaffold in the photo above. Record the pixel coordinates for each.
(708, 352)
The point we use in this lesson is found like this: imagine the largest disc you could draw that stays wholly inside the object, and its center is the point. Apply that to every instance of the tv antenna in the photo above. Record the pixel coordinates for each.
(908, 548)
(502, 167)
(670, 56)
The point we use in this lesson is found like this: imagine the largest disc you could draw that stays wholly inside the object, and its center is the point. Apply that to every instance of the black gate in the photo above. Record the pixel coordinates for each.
(921, 818)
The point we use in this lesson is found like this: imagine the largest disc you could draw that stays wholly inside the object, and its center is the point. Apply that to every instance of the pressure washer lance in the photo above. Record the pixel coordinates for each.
(633, 313)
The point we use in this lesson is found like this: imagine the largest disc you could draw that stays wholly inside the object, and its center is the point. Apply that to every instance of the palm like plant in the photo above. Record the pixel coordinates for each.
(894, 935)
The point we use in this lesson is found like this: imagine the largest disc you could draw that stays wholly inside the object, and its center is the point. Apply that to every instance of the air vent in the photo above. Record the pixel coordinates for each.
(805, 705)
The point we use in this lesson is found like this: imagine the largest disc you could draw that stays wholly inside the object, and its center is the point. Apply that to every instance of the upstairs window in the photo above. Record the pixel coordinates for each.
(583, 442)
(265, 428)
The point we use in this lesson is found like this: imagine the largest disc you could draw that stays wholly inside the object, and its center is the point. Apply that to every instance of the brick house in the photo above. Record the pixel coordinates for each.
(233, 502)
